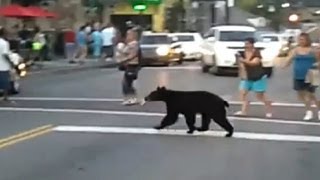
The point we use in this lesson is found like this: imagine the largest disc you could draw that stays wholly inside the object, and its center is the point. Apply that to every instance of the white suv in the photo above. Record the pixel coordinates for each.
(226, 41)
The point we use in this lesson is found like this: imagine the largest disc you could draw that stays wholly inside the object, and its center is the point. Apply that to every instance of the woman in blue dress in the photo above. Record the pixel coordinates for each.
(96, 42)
(304, 57)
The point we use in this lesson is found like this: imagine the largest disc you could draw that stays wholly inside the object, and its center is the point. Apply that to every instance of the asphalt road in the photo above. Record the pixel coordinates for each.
(80, 131)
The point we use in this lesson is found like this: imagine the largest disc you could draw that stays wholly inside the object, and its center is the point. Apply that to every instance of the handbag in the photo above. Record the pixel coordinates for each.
(131, 73)
(313, 76)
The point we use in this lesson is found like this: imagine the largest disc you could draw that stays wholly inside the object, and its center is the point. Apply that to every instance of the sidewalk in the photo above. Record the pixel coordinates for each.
(63, 66)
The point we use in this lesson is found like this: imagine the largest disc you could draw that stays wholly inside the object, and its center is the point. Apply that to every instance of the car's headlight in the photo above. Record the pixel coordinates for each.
(178, 50)
(162, 51)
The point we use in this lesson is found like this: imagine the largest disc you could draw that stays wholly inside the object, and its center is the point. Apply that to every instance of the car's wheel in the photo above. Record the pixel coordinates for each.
(14, 87)
(269, 71)
(216, 70)
(205, 68)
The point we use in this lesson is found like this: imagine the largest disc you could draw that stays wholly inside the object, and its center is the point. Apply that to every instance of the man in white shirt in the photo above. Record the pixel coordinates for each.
(5, 66)
(108, 34)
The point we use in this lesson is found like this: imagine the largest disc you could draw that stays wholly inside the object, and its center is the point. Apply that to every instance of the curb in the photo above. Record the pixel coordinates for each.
(71, 69)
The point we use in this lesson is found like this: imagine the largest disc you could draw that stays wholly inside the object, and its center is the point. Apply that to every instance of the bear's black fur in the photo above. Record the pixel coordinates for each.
(209, 105)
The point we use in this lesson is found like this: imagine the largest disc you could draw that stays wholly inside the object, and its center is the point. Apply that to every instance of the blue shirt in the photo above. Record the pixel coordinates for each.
(302, 63)
(97, 38)
(81, 38)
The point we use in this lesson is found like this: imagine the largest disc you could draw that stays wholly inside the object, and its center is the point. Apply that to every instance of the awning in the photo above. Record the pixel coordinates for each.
(41, 12)
(25, 12)
(16, 11)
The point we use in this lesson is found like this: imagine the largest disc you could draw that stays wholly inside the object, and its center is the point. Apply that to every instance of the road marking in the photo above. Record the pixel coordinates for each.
(150, 114)
(174, 68)
(237, 135)
(66, 99)
(280, 104)
(26, 135)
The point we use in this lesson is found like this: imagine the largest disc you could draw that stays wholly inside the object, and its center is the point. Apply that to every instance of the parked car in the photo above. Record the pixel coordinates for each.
(191, 44)
(228, 40)
(160, 48)
(276, 41)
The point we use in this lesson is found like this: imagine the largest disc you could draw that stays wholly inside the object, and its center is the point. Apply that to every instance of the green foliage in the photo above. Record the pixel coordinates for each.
(174, 16)
(247, 5)
(26, 2)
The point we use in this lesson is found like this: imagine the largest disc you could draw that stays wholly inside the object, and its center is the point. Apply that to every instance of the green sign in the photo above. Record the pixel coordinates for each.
(140, 7)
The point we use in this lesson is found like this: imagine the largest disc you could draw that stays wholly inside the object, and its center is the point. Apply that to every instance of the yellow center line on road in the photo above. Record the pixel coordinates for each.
(26, 135)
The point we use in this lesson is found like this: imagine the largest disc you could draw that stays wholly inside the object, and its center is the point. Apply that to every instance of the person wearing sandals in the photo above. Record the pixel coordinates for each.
(253, 78)
(305, 59)
(130, 61)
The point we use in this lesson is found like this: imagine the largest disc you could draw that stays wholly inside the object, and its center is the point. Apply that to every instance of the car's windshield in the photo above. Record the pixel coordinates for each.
(155, 39)
(185, 38)
(236, 35)
(270, 38)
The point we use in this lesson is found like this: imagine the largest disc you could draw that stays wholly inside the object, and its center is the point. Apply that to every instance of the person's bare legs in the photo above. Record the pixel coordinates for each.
(245, 103)
(261, 96)
(313, 99)
(305, 98)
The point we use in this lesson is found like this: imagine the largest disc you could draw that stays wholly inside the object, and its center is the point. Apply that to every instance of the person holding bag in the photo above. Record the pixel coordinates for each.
(130, 62)
(253, 78)
(305, 61)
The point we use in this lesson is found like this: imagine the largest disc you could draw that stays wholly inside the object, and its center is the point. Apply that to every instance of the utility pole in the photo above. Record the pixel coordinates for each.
(227, 10)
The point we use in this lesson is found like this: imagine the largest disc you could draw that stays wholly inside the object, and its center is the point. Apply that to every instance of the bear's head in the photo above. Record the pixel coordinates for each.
(157, 95)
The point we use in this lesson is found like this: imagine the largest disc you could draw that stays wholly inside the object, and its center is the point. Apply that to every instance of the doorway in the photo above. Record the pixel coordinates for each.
(119, 21)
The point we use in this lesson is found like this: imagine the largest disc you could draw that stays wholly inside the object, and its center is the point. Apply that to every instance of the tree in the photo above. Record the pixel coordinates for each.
(26, 2)
(175, 16)
(247, 5)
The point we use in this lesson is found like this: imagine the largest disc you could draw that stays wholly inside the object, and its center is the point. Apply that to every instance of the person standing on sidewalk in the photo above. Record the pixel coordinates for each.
(96, 41)
(70, 44)
(253, 78)
(130, 61)
(82, 42)
(304, 58)
(108, 35)
(5, 66)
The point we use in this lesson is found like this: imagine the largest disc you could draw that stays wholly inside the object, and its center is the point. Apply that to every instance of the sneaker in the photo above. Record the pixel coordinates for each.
(240, 113)
(130, 101)
(125, 102)
(268, 115)
(308, 116)
(142, 102)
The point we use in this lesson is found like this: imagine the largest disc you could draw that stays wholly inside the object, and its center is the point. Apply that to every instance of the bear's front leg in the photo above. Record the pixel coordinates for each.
(168, 120)
(191, 120)
(205, 123)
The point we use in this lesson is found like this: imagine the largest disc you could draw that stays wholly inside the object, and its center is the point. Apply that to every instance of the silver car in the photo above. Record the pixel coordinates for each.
(159, 48)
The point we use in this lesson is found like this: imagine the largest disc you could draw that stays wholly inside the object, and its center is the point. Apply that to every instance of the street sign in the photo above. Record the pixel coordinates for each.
(140, 7)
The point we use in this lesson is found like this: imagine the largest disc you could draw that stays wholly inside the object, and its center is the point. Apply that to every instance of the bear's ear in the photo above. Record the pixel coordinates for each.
(163, 88)
(158, 88)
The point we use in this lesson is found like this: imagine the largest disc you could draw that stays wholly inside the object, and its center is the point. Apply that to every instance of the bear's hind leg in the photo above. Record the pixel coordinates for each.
(225, 124)
(168, 120)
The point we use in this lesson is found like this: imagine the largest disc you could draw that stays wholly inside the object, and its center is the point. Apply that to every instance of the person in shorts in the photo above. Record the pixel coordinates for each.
(108, 35)
(253, 78)
(304, 57)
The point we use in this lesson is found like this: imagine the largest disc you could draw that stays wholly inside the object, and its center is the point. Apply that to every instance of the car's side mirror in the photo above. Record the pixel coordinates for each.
(211, 39)
(175, 45)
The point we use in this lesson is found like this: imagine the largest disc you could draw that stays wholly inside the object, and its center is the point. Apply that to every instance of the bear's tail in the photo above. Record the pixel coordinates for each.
(226, 103)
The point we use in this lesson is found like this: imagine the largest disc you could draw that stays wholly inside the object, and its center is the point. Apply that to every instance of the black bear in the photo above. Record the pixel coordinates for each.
(190, 103)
